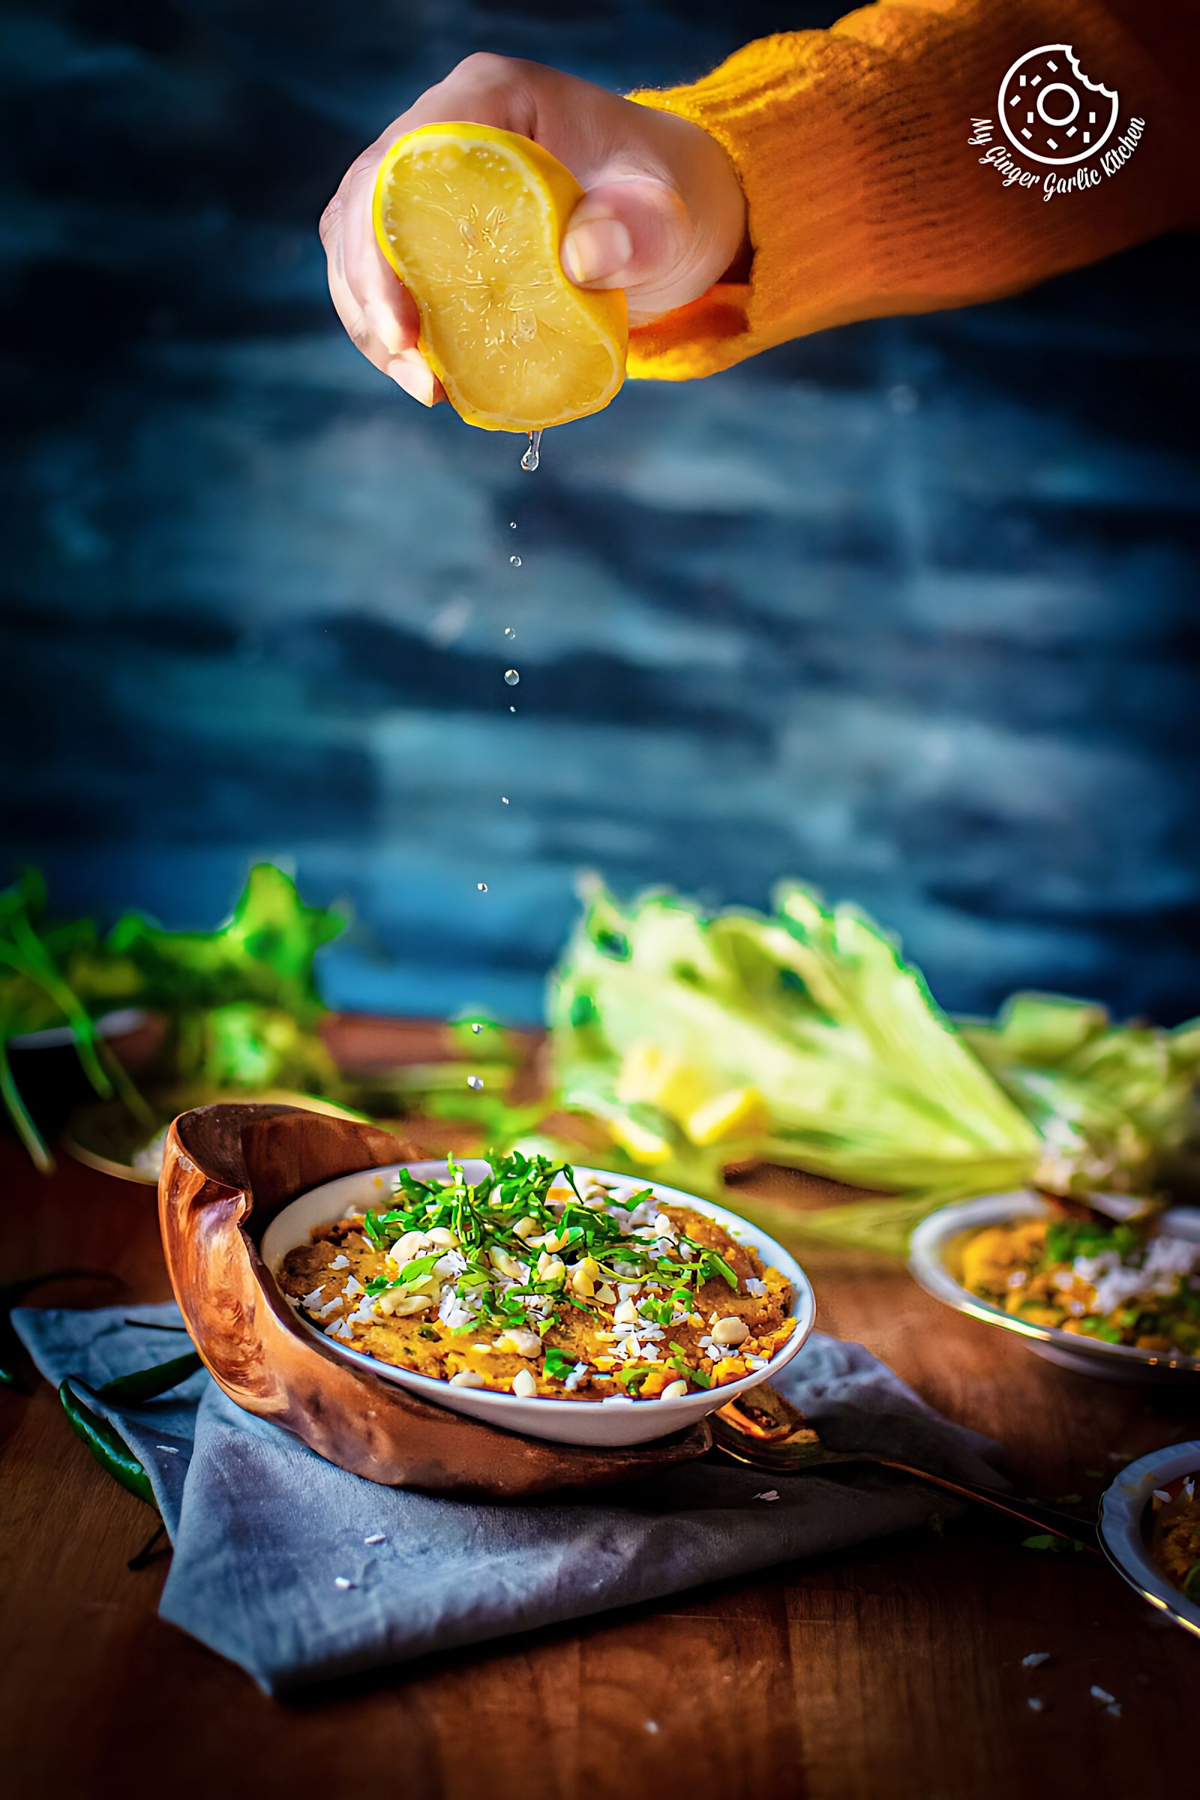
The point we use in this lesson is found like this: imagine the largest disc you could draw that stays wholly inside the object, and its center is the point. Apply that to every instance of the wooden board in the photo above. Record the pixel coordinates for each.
(893, 1670)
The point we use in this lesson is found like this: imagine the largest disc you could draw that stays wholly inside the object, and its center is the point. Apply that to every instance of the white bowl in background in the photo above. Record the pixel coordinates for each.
(118, 1024)
(611, 1422)
(1121, 1529)
(935, 1263)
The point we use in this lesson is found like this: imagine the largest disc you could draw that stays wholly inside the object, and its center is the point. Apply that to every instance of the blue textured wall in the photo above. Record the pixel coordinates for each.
(907, 609)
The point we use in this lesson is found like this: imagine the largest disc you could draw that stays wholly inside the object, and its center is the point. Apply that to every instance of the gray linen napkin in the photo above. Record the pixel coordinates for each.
(299, 1571)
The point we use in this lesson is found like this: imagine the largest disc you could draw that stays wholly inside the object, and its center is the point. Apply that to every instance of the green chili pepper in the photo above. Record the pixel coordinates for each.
(12, 1293)
(109, 1450)
(146, 1384)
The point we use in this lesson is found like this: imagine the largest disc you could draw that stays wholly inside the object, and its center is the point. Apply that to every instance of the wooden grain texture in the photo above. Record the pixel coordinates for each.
(228, 1170)
(890, 1671)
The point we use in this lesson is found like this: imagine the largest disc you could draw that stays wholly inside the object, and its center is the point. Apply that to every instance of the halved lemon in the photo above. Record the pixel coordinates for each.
(471, 220)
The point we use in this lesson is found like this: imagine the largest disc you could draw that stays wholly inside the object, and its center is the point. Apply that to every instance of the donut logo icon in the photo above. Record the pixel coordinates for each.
(1050, 111)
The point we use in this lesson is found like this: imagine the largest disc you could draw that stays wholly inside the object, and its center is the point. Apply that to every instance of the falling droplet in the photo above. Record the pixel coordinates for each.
(512, 524)
(475, 1081)
(504, 799)
(511, 676)
(477, 1029)
(515, 561)
(481, 886)
(509, 632)
(533, 455)
(512, 709)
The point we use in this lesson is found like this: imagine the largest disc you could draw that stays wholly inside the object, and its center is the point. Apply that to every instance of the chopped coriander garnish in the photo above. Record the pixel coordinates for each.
(556, 1364)
(659, 1312)
(489, 1283)
(716, 1265)
(418, 1267)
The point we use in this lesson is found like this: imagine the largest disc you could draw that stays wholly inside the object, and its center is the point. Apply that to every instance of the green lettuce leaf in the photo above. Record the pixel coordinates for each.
(659, 1012)
(264, 953)
(803, 1038)
(1115, 1105)
(242, 1001)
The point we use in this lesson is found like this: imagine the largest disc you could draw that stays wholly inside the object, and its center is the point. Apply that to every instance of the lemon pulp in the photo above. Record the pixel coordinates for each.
(471, 219)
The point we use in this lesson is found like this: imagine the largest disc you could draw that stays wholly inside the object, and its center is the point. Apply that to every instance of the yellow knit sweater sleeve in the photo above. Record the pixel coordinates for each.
(864, 196)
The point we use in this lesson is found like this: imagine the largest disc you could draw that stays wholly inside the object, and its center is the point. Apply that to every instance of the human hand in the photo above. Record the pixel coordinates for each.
(662, 214)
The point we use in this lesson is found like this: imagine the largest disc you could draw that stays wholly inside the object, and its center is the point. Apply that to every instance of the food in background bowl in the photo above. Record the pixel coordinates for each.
(1123, 1283)
(1174, 1532)
(526, 1282)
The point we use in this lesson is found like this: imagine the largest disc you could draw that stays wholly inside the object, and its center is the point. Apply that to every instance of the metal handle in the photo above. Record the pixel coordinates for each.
(1028, 1512)
(766, 1431)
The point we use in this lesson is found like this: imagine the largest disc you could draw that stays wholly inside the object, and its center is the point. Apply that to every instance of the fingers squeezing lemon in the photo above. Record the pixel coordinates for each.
(471, 219)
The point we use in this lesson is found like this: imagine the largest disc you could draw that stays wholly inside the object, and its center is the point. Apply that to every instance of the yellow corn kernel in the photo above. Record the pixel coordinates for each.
(657, 1077)
(740, 1113)
(643, 1145)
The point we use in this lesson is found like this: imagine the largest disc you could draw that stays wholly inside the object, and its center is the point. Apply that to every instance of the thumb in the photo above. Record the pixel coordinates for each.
(635, 234)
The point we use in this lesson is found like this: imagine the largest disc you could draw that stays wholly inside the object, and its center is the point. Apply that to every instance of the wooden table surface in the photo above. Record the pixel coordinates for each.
(893, 1669)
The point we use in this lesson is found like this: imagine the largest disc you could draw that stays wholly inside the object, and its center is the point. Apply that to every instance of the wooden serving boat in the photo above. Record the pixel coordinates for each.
(227, 1171)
